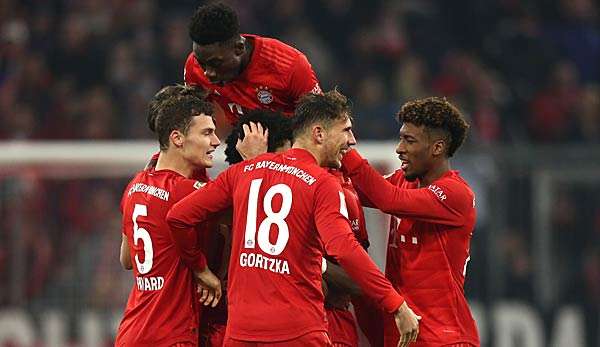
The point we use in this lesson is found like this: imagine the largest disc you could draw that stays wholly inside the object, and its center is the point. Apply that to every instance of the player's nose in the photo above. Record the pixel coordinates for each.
(215, 141)
(351, 139)
(400, 148)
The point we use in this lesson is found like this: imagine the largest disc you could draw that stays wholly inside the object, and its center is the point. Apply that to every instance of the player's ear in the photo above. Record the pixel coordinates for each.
(177, 138)
(318, 133)
(239, 46)
(438, 147)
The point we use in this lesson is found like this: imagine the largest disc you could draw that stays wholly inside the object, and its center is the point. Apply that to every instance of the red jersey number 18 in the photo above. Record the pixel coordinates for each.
(277, 218)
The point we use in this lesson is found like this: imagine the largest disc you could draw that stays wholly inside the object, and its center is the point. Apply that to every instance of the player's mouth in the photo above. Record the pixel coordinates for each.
(404, 165)
(210, 155)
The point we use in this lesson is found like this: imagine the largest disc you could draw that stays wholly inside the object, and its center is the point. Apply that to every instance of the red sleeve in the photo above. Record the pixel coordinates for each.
(420, 204)
(193, 210)
(364, 200)
(192, 71)
(339, 242)
(303, 79)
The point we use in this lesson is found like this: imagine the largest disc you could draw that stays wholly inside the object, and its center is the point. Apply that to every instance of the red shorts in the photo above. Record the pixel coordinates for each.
(312, 339)
(342, 327)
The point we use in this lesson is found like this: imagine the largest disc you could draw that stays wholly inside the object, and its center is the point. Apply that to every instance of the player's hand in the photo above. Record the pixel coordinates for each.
(209, 287)
(407, 323)
(255, 141)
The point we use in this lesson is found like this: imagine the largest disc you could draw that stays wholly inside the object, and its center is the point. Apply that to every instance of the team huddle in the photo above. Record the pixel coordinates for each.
(273, 251)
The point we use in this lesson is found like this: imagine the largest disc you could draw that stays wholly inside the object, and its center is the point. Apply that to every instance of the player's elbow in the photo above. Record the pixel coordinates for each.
(125, 260)
(126, 264)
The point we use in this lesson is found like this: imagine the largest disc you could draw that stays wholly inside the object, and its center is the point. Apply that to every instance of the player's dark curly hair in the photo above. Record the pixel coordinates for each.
(213, 23)
(173, 108)
(327, 108)
(438, 114)
(280, 130)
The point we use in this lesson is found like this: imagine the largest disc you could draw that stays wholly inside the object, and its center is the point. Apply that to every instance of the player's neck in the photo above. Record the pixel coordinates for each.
(435, 173)
(301, 144)
(168, 160)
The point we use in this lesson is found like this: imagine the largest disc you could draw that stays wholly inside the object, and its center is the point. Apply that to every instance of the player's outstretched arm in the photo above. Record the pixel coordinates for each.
(339, 242)
(421, 204)
(336, 277)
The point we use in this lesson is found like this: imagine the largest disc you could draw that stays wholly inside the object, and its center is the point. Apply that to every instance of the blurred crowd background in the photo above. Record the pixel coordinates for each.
(525, 73)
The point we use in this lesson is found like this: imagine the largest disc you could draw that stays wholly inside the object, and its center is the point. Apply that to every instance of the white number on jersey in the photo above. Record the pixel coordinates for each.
(277, 218)
(343, 208)
(141, 233)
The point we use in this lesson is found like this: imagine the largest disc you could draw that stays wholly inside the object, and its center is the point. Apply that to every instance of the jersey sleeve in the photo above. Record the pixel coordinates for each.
(190, 71)
(445, 204)
(339, 242)
(303, 79)
(195, 209)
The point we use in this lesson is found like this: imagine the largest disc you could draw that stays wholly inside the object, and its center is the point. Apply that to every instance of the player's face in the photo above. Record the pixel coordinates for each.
(414, 150)
(220, 61)
(200, 141)
(339, 140)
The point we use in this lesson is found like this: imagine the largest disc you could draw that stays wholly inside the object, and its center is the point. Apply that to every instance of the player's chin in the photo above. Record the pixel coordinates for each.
(207, 162)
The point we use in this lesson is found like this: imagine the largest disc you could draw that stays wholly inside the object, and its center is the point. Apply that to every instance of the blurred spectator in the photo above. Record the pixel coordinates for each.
(515, 252)
(552, 109)
(490, 58)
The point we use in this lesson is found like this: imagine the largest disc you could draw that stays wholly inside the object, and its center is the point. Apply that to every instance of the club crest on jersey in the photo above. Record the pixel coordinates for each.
(199, 184)
(264, 95)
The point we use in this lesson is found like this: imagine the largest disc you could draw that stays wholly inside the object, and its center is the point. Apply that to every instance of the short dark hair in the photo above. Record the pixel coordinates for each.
(437, 114)
(174, 107)
(280, 130)
(326, 107)
(214, 23)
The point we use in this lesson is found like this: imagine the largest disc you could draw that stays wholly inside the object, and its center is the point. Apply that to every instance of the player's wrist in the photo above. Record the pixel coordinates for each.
(393, 302)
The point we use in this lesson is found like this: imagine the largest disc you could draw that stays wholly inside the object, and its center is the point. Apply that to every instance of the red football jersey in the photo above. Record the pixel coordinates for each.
(286, 210)
(275, 78)
(342, 325)
(161, 309)
(428, 248)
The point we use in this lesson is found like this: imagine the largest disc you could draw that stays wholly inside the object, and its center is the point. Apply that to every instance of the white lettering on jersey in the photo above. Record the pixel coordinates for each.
(150, 283)
(150, 190)
(288, 169)
(437, 191)
(262, 262)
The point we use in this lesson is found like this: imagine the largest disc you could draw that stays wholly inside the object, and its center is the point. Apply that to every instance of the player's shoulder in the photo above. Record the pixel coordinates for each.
(453, 187)
(183, 186)
(276, 54)
(193, 73)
